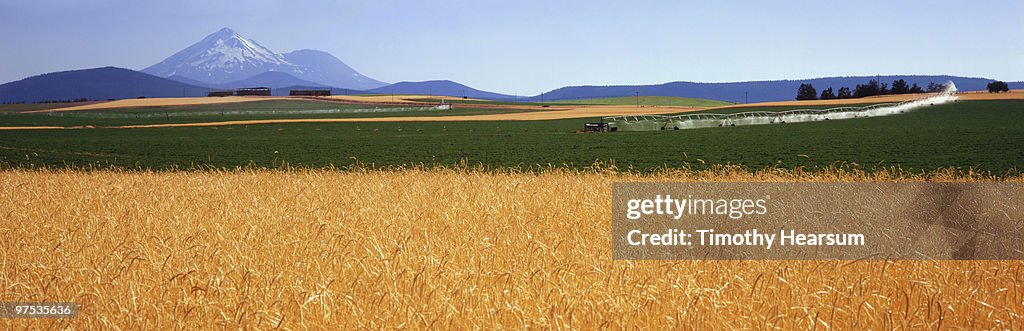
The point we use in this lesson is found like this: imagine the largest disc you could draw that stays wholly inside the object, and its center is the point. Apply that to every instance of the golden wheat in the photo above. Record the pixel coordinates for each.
(434, 248)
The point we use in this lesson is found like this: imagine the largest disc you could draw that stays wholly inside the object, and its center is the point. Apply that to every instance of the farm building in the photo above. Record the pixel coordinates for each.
(220, 93)
(264, 91)
(310, 93)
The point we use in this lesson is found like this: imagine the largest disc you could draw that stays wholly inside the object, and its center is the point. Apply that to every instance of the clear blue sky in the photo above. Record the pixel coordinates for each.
(525, 47)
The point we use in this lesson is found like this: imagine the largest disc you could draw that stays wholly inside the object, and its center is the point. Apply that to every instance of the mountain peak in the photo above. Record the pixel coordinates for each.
(221, 57)
(226, 56)
(224, 34)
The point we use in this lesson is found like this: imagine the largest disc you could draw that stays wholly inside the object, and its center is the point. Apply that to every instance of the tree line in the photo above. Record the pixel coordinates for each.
(998, 86)
(899, 86)
(872, 88)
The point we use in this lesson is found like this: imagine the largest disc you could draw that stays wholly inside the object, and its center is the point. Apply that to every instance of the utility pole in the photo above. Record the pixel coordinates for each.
(745, 97)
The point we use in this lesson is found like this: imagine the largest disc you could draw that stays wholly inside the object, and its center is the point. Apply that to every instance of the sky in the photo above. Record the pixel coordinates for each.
(527, 47)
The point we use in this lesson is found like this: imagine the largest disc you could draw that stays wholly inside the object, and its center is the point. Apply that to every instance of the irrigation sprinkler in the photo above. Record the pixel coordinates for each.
(707, 120)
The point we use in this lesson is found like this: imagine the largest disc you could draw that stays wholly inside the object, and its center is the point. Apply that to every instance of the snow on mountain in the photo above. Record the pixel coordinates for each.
(226, 56)
(234, 49)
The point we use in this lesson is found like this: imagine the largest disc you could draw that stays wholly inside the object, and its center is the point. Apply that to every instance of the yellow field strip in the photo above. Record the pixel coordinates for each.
(159, 102)
(197, 101)
(32, 128)
(593, 111)
(434, 248)
(550, 114)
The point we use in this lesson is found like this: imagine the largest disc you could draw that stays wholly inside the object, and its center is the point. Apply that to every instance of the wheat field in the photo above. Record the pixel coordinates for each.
(434, 248)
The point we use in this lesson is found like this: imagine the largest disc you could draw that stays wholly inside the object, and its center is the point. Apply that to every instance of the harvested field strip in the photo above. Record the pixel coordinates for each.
(41, 127)
(258, 110)
(646, 101)
(161, 102)
(510, 114)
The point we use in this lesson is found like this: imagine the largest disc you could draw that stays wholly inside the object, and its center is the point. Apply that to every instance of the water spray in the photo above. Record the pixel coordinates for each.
(694, 121)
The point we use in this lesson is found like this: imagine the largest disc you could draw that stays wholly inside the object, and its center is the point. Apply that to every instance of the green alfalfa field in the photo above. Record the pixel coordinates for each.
(982, 136)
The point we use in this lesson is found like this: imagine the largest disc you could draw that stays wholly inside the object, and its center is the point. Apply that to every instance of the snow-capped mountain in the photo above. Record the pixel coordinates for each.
(226, 56)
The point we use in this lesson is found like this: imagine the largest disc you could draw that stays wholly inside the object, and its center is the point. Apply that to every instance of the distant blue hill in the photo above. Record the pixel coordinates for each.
(439, 87)
(118, 83)
(758, 91)
(95, 84)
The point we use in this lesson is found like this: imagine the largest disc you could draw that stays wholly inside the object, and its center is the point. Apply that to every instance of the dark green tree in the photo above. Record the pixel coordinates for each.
(884, 89)
(827, 94)
(998, 86)
(900, 86)
(916, 89)
(870, 89)
(806, 92)
(934, 88)
(844, 93)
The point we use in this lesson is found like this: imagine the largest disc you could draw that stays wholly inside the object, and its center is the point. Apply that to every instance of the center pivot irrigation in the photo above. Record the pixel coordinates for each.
(695, 121)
